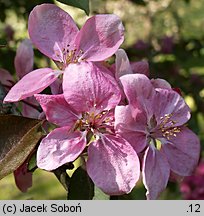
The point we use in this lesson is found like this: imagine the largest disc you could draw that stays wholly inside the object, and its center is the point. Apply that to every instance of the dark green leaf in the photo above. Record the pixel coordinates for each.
(18, 137)
(62, 176)
(139, 2)
(82, 4)
(81, 186)
(3, 43)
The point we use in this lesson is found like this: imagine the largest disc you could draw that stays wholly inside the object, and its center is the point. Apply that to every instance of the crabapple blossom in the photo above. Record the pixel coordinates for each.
(153, 122)
(85, 119)
(192, 186)
(55, 34)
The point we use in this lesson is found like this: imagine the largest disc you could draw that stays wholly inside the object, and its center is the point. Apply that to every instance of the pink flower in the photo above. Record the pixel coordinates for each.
(55, 34)
(153, 123)
(192, 187)
(123, 67)
(84, 114)
(23, 64)
(167, 44)
(23, 178)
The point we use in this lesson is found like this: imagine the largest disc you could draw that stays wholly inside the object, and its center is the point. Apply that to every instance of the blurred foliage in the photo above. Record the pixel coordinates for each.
(169, 34)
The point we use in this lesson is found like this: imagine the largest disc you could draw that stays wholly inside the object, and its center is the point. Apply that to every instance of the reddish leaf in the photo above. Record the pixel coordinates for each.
(18, 137)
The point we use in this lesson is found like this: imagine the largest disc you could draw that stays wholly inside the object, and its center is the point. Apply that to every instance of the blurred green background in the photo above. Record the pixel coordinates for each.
(169, 34)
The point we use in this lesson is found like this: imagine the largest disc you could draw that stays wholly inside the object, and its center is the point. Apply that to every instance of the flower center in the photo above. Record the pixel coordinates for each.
(164, 129)
(167, 127)
(90, 121)
(69, 56)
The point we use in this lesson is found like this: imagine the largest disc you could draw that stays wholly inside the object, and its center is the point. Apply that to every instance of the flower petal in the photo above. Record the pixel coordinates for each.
(106, 33)
(113, 165)
(169, 102)
(29, 111)
(24, 58)
(160, 83)
(57, 109)
(131, 126)
(60, 147)
(51, 29)
(122, 64)
(182, 152)
(141, 67)
(32, 83)
(139, 92)
(56, 87)
(155, 172)
(6, 78)
(88, 87)
(23, 178)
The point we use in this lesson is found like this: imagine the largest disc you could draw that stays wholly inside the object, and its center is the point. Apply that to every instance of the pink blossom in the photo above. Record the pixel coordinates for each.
(141, 45)
(153, 123)
(23, 178)
(23, 65)
(192, 186)
(24, 58)
(55, 34)
(123, 67)
(167, 44)
(84, 114)
(6, 79)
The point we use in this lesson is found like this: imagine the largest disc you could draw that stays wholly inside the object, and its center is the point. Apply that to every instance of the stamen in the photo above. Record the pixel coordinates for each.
(166, 127)
(71, 56)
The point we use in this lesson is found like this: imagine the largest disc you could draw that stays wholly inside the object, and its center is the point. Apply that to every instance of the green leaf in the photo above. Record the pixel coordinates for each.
(100, 195)
(82, 4)
(18, 137)
(32, 164)
(81, 186)
(137, 193)
(62, 176)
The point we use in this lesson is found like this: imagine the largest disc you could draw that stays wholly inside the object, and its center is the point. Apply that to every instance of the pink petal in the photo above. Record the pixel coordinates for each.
(32, 83)
(60, 147)
(113, 165)
(160, 83)
(122, 64)
(6, 78)
(23, 178)
(106, 33)
(155, 172)
(183, 152)
(56, 87)
(24, 58)
(131, 126)
(29, 111)
(170, 102)
(88, 87)
(51, 29)
(139, 92)
(57, 110)
(141, 67)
